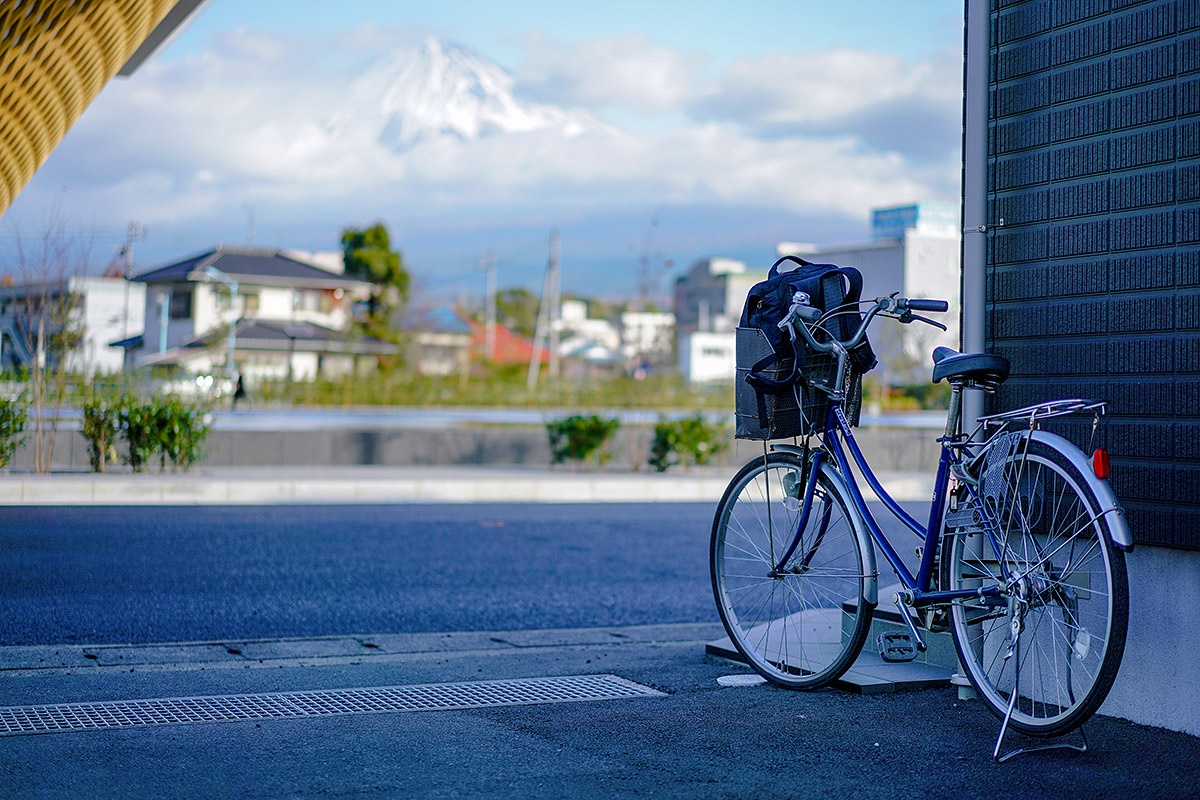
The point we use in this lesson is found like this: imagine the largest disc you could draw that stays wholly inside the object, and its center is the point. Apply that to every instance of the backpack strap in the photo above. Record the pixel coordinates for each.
(800, 262)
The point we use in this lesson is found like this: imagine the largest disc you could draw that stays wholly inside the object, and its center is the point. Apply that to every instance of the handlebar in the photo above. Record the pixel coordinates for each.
(924, 305)
(899, 306)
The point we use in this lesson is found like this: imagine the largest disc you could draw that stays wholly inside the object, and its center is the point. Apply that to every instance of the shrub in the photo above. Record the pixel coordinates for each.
(685, 441)
(181, 430)
(101, 423)
(139, 426)
(576, 438)
(13, 417)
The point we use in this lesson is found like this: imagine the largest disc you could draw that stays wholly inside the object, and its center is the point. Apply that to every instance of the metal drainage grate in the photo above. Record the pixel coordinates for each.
(431, 697)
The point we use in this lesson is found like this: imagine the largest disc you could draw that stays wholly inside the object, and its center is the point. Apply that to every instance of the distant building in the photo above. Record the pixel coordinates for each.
(290, 318)
(99, 310)
(646, 336)
(914, 250)
(439, 342)
(708, 307)
(710, 296)
(707, 356)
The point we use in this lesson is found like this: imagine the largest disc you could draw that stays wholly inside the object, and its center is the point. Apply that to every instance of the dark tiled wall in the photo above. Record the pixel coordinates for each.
(1094, 254)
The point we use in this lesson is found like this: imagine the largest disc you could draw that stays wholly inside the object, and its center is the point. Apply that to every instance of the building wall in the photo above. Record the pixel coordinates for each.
(706, 356)
(113, 308)
(1094, 265)
(1093, 283)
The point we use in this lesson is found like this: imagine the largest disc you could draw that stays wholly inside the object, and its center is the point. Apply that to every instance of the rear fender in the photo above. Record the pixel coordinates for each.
(1109, 507)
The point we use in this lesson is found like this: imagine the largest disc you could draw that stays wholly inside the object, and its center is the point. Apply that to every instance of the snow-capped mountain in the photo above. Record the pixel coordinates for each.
(421, 93)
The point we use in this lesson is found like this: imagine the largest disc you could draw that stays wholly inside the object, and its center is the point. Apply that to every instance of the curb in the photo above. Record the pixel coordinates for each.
(373, 485)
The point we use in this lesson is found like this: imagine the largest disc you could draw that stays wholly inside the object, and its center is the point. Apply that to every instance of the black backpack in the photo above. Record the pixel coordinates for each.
(774, 398)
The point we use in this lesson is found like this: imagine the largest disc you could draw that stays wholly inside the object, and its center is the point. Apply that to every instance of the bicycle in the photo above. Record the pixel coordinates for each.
(1021, 557)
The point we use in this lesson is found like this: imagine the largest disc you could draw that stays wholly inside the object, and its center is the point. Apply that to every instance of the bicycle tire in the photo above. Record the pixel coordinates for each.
(802, 627)
(1073, 602)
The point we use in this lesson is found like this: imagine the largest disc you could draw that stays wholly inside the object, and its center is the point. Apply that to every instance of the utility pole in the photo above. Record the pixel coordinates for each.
(136, 232)
(539, 336)
(249, 224)
(555, 304)
(489, 265)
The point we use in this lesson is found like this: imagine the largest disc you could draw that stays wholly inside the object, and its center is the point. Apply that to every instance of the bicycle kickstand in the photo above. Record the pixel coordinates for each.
(1017, 623)
(1000, 759)
(1012, 704)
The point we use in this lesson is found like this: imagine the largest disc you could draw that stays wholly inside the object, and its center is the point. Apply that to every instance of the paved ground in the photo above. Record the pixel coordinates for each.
(690, 737)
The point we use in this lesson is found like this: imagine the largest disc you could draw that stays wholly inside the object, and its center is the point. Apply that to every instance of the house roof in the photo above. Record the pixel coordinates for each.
(434, 320)
(248, 265)
(510, 347)
(264, 335)
(257, 334)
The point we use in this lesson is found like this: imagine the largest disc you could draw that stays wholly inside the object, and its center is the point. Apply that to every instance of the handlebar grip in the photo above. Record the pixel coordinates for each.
(928, 305)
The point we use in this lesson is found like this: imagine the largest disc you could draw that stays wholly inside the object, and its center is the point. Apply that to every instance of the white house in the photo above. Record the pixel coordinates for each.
(101, 310)
(646, 335)
(707, 356)
(289, 317)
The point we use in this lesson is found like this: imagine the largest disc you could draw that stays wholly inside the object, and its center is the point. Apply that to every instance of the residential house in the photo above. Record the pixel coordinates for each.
(290, 318)
(96, 310)
(438, 341)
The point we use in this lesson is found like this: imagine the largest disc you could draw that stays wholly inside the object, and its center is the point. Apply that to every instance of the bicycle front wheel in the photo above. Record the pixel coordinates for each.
(791, 597)
(1049, 647)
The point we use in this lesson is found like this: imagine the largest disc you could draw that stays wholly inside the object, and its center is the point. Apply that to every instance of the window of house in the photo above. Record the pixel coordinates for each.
(181, 305)
(249, 301)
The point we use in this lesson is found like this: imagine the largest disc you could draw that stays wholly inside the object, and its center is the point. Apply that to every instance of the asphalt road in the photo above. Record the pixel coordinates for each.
(146, 574)
(151, 574)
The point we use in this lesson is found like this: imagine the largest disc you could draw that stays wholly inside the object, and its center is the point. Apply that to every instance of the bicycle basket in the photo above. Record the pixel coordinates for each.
(796, 410)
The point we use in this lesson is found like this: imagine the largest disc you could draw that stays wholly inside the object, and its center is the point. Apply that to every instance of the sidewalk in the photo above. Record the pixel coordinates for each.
(583, 713)
(432, 484)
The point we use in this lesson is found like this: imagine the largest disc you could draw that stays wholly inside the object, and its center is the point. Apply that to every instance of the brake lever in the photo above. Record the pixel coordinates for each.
(908, 317)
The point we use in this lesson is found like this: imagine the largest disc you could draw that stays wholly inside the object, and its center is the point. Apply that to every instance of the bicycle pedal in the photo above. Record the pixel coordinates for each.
(896, 646)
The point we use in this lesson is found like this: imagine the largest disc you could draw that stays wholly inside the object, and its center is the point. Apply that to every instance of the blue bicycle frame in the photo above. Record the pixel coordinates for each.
(837, 431)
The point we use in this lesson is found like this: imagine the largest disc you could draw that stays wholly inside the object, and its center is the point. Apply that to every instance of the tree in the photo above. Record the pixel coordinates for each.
(47, 323)
(517, 310)
(368, 256)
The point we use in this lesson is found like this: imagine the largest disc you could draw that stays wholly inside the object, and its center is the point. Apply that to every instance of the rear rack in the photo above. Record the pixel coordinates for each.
(1047, 410)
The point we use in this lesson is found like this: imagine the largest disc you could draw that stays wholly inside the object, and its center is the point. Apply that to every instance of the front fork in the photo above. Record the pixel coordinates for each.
(812, 465)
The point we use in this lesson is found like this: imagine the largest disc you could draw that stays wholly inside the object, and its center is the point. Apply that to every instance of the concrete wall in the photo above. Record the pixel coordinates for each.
(1160, 673)
(889, 449)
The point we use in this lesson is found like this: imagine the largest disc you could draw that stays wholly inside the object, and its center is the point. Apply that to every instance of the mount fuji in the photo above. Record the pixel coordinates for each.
(436, 90)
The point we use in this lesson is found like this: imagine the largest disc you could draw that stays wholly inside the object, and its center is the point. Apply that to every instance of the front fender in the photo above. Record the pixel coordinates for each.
(870, 590)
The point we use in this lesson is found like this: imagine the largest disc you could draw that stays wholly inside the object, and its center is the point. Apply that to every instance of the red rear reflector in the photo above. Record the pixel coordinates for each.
(1100, 463)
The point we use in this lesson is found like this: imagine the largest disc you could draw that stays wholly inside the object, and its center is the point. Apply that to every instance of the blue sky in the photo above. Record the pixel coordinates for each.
(730, 127)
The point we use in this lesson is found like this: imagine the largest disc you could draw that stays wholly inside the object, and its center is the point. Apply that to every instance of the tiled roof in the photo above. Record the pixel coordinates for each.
(254, 334)
(247, 265)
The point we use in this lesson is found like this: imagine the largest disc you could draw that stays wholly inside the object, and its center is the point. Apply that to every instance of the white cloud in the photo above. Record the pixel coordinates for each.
(189, 143)
(879, 98)
(621, 72)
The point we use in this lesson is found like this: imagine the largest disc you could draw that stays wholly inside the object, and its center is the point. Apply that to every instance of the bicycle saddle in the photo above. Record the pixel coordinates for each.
(981, 368)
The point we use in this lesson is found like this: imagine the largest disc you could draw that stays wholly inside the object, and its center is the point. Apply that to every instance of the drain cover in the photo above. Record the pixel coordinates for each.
(430, 697)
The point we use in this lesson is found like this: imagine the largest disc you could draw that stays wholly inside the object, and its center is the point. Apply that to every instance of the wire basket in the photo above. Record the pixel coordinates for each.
(795, 411)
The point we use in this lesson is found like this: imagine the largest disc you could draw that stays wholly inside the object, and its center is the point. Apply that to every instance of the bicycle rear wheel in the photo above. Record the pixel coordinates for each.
(1066, 594)
(800, 623)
